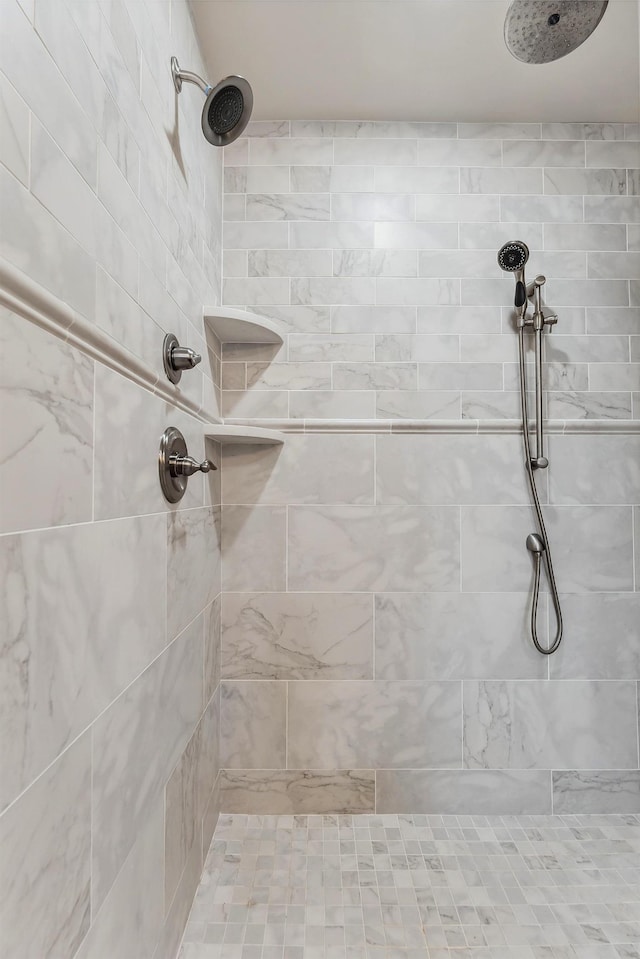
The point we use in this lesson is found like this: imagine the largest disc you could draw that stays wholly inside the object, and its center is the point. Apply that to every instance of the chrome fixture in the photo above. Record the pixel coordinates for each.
(176, 466)
(512, 258)
(539, 31)
(228, 106)
(177, 358)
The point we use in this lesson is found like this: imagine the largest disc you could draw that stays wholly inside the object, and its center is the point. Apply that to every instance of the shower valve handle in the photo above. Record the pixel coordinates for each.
(187, 465)
(183, 358)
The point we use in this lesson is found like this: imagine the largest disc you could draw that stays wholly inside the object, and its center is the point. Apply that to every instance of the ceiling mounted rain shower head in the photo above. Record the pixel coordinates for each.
(539, 31)
(227, 109)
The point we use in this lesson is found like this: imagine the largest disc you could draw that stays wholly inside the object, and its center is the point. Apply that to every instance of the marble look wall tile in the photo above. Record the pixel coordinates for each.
(136, 743)
(608, 376)
(336, 236)
(375, 376)
(610, 153)
(290, 151)
(257, 179)
(38, 430)
(289, 263)
(419, 404)
(611, 209)
(255, 291)
(373, 548)
(411, 471)
(299, 471)
(354, 347)
(297, 636)
(253, 725)
(375, 263)
(357, 291)
(578, 236)
(594, 469)
(559, 725)
(376, 151)
(571, 405)
(463, 791)
(470, 152)
(583, 131)
(193, 564)
(255, 235)
(417, 347)
(310, 179)
(413, 292)
(572, 182)
(298, 792)
(14, 131)
(43, 837)
(173, 929)
(373, 319)
(212, 648)
(372, 206)
(413, 179)
(289, 206)
(416, 236)
(547, 153)
(253, 548)
(379, 724)
(464, 208)
(458, 319)
(261, 404)
(461, 636)
(542, 209)
(63, 663)
(331, 404)
(460, 376)
(592, 548)
(596, 791)
(501, 180)
(602, 637)
(131, 917)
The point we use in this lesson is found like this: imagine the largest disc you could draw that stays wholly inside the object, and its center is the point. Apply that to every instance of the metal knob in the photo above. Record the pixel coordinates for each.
(175, 466)
(177, 358)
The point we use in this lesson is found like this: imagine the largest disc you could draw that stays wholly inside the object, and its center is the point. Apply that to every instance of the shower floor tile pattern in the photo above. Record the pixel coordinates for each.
(419, 887)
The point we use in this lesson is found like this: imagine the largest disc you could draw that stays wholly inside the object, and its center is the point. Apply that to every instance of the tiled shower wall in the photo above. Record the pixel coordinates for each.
(109, 599)
(375, 647)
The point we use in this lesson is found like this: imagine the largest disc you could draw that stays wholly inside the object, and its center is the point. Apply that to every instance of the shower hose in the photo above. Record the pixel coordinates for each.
(537, 557)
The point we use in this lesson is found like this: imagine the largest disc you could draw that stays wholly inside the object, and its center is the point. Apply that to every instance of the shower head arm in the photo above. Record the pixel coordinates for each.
(186, 76)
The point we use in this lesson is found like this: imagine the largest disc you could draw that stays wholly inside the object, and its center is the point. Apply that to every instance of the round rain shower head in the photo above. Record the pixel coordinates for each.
(513, 256)
(539, 31)
(227, 111)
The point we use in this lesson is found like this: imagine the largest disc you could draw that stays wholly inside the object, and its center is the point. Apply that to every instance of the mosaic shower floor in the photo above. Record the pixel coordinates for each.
(419, 887)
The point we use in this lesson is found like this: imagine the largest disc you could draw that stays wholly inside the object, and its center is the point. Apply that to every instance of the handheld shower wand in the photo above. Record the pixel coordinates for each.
(512, 258)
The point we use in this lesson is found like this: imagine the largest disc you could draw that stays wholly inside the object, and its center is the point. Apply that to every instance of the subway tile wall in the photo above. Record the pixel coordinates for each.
(375, 245)
(109, 598)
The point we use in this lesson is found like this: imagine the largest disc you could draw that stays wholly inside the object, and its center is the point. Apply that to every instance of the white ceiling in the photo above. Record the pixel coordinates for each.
(414, 60)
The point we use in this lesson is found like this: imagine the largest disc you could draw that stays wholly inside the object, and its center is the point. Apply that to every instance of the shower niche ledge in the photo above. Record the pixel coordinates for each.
(240, 326)
(255, 435)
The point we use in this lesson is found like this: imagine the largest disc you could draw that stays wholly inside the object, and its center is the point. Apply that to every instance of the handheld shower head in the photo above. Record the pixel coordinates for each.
(512, 258)
(228, 106)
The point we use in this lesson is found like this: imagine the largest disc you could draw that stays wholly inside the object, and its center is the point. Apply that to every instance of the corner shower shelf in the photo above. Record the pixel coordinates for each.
(239, 326)
(256, 435)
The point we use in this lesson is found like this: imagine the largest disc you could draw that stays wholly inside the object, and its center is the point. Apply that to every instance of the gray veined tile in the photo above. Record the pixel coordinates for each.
(14, 131)
(63, 663)
(601, 637)
(461, 636)
(253, 548)
(594, 469)
(350, 725)
(45, 841)
(557, 725)
(373, 548)
(47, 419)
(193, 564)
(577, 792)
(298, 791)
(297, 636)
(253, 723)
(453, 792)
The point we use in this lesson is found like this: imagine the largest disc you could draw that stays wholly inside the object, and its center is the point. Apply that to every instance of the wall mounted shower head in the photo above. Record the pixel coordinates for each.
(512, 258)
(228, 106)
(539, 31)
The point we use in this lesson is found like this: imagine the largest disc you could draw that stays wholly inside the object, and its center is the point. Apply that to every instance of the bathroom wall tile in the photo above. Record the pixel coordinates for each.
(588, 651)
(486, 292)
(375, 376)
(418, 405)
(339, 548)
(297, 636)
(452, 208)
(332, 404)
(555, 376)
(385, 151)
(310, 179)
(560, 725)
(289, 263)
(35, 430)
(289, 206)
(410, 471)
(351, 179)
(499, 131)
(269, 128)
(337, 236)
(588, 236)
(612, 153)
(212, 648)
(491, 236)
(583, 131)
(460, 376)
(288, 376)
(62, 665)
(489, 348)
(136, 743)
(608, 376)
(253, 720)
(256, 235)
(458, 263)
(470, 152)
(326, 346)
(262, 404)
(592, 547)
(412, 179)
(490, 404)
(256, 179)
(416, 236)
(184, 809)
(609, 791)
(298, 792)
(463, 791)
(547, 153)
(379, 724)
(587, 349)
(466, 636)
(611, 265)
(253, 548)
(373, 319)
(500, 180)
(299, 471)
(371, 206)
(255, 291)
(413, 292)
(176, 920)
(131, 916)
(594, 469)
(334, 290)
(591, 405)
(633, 237)
(193, 564)
(413, 347)
(119, 315)
(598, 182)
(14, 131)
(611, 209)
(290, 151)
(458, 319)
(44, 836)
(375, 263)
(543, 209)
